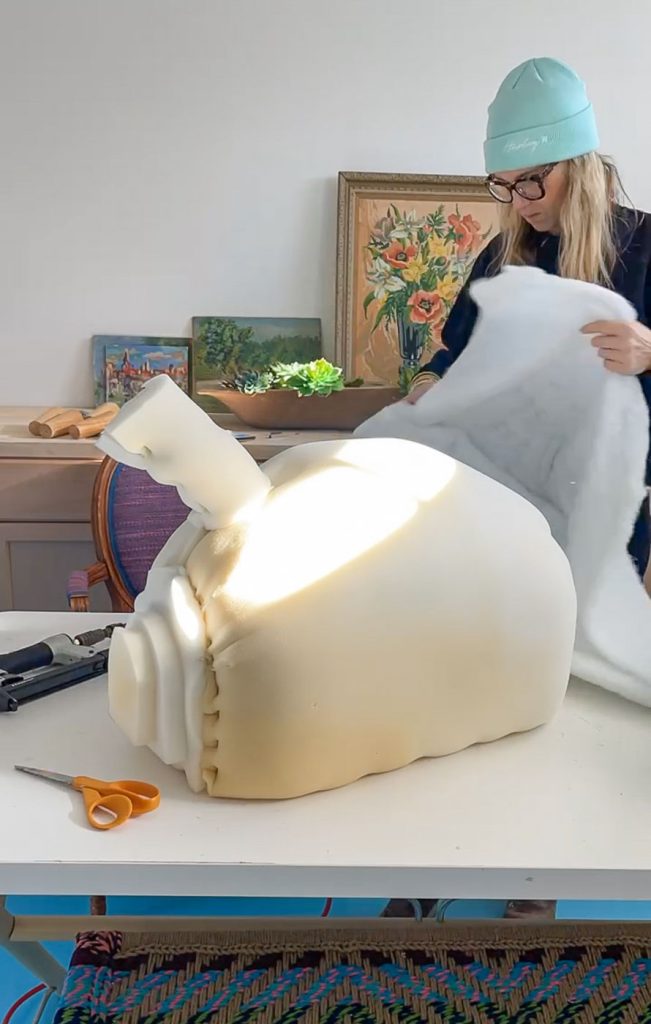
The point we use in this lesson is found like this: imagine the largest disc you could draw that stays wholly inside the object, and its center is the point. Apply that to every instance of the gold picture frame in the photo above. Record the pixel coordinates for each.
(405, 245)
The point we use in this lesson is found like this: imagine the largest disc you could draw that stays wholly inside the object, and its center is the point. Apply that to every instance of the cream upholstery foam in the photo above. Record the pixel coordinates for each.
(376, 602)
(387, 604)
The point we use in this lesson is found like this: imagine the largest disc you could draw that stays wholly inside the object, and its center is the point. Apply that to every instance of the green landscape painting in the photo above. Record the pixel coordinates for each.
(225, 346)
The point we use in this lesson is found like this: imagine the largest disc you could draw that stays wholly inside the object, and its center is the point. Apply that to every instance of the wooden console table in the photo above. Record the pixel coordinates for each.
(45, 494)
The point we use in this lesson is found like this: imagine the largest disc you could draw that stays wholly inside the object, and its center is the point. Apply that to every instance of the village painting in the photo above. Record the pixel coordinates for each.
(122, 364)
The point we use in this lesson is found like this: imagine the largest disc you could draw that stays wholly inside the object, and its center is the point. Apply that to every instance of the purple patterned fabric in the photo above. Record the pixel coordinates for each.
(78, 584)
(142, 515)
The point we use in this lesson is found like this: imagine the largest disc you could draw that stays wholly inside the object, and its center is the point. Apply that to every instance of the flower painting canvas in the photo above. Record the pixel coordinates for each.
(122, 364)
(406, 245)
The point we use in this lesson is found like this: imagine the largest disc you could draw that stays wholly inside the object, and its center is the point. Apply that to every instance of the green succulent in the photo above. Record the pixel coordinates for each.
(316, 378)
(253, 382)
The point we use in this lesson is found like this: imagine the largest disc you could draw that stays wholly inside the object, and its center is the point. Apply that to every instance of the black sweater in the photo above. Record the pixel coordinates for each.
(631, 277)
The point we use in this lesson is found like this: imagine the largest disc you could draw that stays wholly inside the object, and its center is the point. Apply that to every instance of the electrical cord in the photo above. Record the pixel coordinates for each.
(23, 999)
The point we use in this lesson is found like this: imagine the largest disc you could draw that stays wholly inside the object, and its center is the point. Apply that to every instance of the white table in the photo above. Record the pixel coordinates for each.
(561, 812)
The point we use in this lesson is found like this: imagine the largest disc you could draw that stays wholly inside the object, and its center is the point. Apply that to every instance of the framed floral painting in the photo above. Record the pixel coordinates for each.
(405, 246)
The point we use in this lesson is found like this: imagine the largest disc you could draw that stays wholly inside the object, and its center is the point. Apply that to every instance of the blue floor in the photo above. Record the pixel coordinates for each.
(14, 980)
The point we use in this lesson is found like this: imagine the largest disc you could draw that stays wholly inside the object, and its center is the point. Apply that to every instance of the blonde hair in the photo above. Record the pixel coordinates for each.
(588, 249)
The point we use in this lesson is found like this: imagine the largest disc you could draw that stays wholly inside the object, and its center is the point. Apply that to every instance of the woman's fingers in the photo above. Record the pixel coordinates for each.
(607, 327)
(599, 339)
(610, 349)
(609, 343)
(418, 392)
(624, 347)
(616, 366)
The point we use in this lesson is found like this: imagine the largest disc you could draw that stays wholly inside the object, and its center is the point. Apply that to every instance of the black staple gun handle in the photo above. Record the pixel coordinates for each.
(27, 658)
(54, 664)
(18, 689)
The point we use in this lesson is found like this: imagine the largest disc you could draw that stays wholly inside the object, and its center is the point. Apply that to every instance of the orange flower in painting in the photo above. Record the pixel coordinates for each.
(398, 254)
(426, 307)
(468, 232)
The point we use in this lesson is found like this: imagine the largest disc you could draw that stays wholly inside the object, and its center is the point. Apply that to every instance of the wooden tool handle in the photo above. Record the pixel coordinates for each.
(101, 410)
(40, 421)
(92, 426)
(60, 424)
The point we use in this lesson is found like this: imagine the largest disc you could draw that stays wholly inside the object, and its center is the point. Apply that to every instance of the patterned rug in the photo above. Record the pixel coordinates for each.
(375, 973)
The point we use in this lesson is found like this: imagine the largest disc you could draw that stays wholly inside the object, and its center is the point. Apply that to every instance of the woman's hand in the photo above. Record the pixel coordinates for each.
(419, 390)
(624, 347)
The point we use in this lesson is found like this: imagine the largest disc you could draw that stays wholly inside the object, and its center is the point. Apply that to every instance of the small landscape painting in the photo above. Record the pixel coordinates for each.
(225, 346)
(122, 364)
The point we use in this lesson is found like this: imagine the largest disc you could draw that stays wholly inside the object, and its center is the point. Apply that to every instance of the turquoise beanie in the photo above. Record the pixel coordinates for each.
(541, 115)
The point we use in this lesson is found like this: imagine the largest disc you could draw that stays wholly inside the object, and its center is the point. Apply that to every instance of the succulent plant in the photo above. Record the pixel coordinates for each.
(316, 378)
(253, 382)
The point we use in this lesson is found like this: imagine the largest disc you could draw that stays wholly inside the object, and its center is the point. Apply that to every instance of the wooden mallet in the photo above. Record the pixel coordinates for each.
(57, 422)
(93, 425)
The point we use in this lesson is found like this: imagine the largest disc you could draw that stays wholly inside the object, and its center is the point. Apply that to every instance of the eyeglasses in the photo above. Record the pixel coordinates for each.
(529, 186)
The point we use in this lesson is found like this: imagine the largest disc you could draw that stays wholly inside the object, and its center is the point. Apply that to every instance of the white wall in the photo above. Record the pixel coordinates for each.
(164, 158)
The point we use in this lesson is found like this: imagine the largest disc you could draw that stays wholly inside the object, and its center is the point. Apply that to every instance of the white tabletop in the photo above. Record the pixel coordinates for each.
(560, 812)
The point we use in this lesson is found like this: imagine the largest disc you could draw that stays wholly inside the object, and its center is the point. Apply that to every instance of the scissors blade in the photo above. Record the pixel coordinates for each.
(67, 780)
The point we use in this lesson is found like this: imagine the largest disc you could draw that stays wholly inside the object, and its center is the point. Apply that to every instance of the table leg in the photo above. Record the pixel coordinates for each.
(31, 955)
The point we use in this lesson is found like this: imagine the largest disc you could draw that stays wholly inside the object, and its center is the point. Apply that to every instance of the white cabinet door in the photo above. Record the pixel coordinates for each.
(36, 560)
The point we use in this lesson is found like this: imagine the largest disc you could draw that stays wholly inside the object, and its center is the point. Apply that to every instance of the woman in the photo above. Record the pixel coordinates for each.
(560, 209)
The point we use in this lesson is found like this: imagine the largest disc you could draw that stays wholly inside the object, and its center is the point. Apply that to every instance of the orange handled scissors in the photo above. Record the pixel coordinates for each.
(119, 800)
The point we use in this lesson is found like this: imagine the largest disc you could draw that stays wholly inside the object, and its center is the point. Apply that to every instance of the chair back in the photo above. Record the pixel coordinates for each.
(133, 516)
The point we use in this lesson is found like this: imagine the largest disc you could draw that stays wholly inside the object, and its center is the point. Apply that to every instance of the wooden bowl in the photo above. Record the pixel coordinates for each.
(287, 410)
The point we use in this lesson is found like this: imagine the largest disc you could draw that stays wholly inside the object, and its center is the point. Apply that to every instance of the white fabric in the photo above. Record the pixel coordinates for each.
(530, 404)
